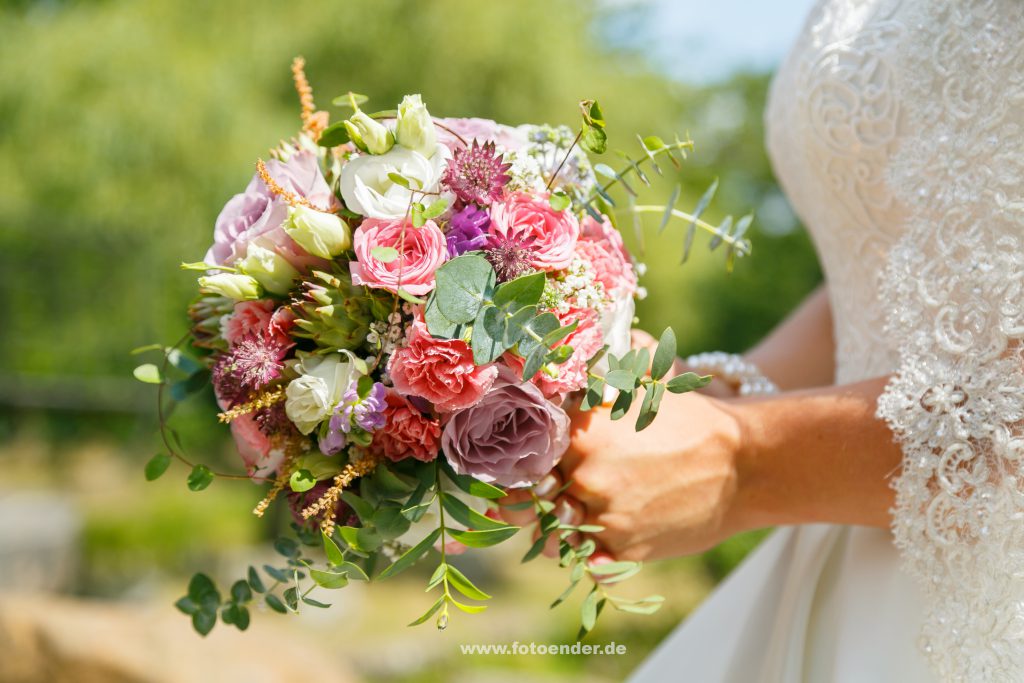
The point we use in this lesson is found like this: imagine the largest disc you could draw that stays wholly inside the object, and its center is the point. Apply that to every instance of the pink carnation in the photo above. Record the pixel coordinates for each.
(407, 432)
(260, 457)
(248, 318)
(440, 370)
(548, 236)
(601, 245)
(424, 249)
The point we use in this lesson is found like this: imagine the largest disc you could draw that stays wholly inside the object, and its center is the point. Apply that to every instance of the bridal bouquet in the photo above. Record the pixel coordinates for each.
(393, 315)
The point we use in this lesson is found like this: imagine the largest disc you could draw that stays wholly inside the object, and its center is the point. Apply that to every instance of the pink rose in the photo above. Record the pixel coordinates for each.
(257, 214)
(528, 220)
(512, 437)
(424, 250)
(407, 432)
(248, 318)
(260, 457)
(601, 245)
(439, 370)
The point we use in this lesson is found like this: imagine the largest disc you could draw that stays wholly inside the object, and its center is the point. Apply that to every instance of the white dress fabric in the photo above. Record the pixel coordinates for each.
(896, 127)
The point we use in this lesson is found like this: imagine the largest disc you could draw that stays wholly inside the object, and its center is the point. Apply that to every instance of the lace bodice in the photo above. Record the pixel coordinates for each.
(897, 129)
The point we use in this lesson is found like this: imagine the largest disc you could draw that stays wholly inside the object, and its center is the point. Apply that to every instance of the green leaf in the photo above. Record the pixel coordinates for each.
(301, 481)
(621, 379)
(203, 592)
(459, 581)
(410, 297)
(384, 254)
(489, 331)
(688, 381)
(653, 143)
(390, 484)
(573, 582)
(467, 515)
(190, 385)
(363, 510)
(148, 373)
(648, 605)
(255, 583)
(199, 478)
(559, 201)
(664, 355)
(313, 603)
(334, 135)
(274, 603)
(670, 205)
(622, 403)
(534, 362)
(649, 407)
(525, 290)
(720, 232)
(329, 580)
(429, 613)
(536, 549)
(291, 598)
(240, 591)
(275, 573)
(439, 575)
(472, 486)
(390, 522)
(437, 324)
(399, 179)
(349, 100)
(515, 327)
(588, 611)
(557, 335)
(354, 571)
(418, 221)
(592, 114)
(462, 284)
(204, 621)
(594, 140)
(542, 325)
(468, 609)
(702, 204)
(334, 554)
(156, 466)
(483, 538)
(410, 556)
(606, 171)
(286, 547)
(436, 208)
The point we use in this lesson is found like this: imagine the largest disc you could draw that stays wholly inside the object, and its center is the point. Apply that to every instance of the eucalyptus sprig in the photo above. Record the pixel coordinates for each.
(629, 375)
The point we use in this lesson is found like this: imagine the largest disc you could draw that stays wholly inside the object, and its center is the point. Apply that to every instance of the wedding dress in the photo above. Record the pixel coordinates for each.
(897, 129)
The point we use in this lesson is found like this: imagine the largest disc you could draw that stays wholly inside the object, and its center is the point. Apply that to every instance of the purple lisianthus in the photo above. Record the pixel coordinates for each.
(366, 414)
(258, 214)
(467, 231)
(512, 437)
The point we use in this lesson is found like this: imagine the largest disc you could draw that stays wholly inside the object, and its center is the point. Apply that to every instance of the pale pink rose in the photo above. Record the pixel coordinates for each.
(528, 221)
(407, 432)
(601, 245)
(484, 130)
(256, 214)
(424, 250)
(512, 437)
(260, 457)
(439, 370)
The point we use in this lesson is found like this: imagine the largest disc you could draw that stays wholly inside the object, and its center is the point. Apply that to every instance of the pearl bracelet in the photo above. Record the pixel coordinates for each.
(735, 370)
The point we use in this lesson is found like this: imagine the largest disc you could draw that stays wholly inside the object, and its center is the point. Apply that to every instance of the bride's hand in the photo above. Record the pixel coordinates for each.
(668, 490)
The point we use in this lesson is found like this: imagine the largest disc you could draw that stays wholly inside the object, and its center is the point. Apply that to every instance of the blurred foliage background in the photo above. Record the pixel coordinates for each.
(125, 126)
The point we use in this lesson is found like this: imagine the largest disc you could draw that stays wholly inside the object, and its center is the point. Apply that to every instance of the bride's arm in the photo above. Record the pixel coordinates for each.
(708, 468)
(800, 351)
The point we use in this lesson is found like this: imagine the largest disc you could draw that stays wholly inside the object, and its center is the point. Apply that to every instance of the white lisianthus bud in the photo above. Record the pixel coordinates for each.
(232, 285)
(368, 134)
(321, 234)
(313, 396)
(269, 268)
(415, 128)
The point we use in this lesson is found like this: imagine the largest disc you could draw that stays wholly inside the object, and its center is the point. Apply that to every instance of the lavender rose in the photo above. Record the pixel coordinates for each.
(512, 437)
(257, 214)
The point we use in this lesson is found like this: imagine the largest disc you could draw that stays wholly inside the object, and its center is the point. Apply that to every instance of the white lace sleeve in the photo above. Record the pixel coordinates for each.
(955, 291)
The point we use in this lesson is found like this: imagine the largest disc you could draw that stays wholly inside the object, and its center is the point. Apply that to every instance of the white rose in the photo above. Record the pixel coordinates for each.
(368, 191)
(310, 398)
(616, 324)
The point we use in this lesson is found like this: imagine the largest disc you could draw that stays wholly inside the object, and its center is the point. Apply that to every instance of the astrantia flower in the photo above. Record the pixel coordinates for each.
(353, 412)
(509, 255)
(255, 361)
(477, 174)
(467, 231)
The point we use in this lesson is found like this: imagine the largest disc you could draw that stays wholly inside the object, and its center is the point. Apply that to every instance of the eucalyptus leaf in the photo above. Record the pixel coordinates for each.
(461, 286)
(664, 355)
(148, 373)
(329, 580)
(525, 290)
(624, 380)
(688, 381)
